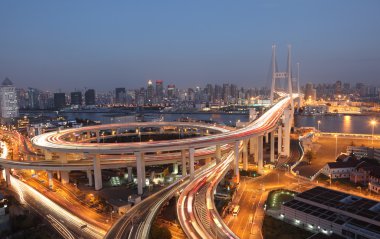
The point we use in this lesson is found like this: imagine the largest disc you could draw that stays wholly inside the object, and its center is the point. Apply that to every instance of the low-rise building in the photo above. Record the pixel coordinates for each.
(342, 168)
(374, 180)
(334, 212)
(362, 151)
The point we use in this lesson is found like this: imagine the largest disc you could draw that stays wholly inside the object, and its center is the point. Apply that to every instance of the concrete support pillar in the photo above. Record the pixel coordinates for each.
(139, 173)
(287, 128)
(252, 146)
(97, 173)
(89, 177)
(48, 155)
(50, 179)
(191, 159)
(97, 135)
(236, 161)
(7, 176)
(218, 153)
(65, 177)
(272, 147)
(175, 168)
(143, 170)
(245, 155)
(279, 141)
(130, 176)
(260, 146)
(183, 156)
(62, 157)
(256, 145)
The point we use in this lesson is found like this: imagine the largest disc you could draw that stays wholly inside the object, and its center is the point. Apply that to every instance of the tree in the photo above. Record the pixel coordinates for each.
(162, 232)
(309, 155)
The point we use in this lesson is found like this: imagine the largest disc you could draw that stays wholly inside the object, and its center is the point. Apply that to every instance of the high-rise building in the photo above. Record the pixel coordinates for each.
(149, 92)
(76, 98)
(361, 89)
(171, 91)
(22, 98)
(209, 91)
(310, 92)
(89, 97)
(338, 87)
(226, 93)
(120, 95)
(45, 100)
(217, 93)
(59, 100)
(140, 96)
(8, 101)
(33, 98)
(159, 90)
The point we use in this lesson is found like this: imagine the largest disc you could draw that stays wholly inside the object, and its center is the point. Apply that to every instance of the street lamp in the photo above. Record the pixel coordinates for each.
(373, 123)
(103, 136)
(330, 179)
(369, 188)
(336, 145)
(111, 214)
(360, 189)
(319, 122)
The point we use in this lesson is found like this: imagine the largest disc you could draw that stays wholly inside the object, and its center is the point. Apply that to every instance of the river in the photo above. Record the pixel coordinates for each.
(358, 124)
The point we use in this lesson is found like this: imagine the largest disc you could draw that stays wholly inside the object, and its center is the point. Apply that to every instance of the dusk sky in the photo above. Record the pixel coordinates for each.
(65, 45)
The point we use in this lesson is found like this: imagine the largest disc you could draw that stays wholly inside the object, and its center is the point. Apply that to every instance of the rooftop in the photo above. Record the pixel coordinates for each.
(338, 207)
(342, 202)
(7, 82)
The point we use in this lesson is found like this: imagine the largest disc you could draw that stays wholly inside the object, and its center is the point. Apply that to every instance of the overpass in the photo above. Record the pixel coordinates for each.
(88, 155)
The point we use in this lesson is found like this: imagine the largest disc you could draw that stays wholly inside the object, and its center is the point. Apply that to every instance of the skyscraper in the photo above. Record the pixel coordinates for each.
(149, 92)
(89, 97)
(171, 91)
(310, 92)
(76, 98)
(226, 93)
(120, 95)
(33, 101)
(159, 90)
(8, 101)
(59, 100)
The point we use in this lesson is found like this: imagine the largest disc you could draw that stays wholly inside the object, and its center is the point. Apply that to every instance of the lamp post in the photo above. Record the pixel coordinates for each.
(111, 215)
(330, 179)
(319, 122)
(369, 188)
(336, 145)
(373, 124)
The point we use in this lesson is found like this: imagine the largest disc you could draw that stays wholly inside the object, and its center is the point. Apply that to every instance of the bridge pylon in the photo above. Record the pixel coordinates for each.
(280, 75)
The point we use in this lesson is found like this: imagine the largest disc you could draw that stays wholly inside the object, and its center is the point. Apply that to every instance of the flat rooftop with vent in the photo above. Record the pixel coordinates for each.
(333, 212)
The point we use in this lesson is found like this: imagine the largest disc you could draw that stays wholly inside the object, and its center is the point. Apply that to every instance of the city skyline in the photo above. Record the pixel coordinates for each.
(77, 45)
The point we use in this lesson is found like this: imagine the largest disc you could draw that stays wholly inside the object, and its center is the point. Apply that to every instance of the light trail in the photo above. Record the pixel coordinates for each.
(74, 221)
(65, 233)
(192, 225)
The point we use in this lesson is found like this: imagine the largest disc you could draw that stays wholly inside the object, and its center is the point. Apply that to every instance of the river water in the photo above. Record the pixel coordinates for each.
(107, 118)
(358, 124)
